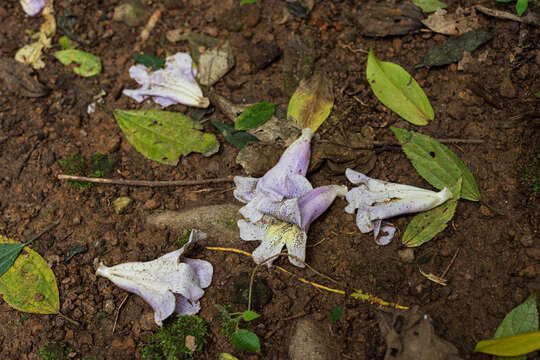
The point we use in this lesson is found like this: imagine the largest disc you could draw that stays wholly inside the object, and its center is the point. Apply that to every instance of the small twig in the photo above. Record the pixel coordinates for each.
(25, 160)
(450, 263)
(349, 47)
(295, 316)
(357, 294)
(145, 182)
(118, 313)
(495, 210)
(150, 25)
(530, 19)
(317, 243)
(38, 235)
(76, 323)
(442, 141)
(432, 277)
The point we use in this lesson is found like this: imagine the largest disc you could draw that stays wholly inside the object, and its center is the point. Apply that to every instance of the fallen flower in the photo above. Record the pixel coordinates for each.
(30, 54)
(282, 204)
(173, 85)
(377, 200)
(32, 7)
(169, 284)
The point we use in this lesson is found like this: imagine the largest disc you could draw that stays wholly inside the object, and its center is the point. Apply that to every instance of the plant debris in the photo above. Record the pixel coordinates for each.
(17, 79)
(386, 19)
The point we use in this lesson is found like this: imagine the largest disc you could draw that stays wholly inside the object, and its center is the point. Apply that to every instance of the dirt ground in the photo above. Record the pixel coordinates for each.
(498, 263)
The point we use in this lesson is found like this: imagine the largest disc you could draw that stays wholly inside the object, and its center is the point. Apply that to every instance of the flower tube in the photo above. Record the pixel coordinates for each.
(376, 200)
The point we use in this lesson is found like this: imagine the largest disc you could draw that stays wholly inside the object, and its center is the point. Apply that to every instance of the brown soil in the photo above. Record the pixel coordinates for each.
(497, 265)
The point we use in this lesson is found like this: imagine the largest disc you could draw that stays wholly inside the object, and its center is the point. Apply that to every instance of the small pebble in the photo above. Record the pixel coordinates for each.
(406, 255)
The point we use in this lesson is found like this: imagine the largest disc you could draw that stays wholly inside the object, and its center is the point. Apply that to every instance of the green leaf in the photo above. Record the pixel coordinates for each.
(164, 136)
(236, 138)
(429, 5)
(242, 2)
(255, 115)
(29, 285)
(90, 65)
(516, 345)
(395, 88)
(246, 340)
(8, 254)
(424, 226)
(336, 314)
(436, 163)
(521, 6)
(312, 102)
(537, 94)
(150, 61)
(227, 356)
(249, 315)
(66, 43)
(522, 319)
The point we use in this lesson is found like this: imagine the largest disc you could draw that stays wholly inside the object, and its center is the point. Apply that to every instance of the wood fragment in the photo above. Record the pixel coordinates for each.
(530, 19)
(150, 25)
(450, 263)
(146, 183)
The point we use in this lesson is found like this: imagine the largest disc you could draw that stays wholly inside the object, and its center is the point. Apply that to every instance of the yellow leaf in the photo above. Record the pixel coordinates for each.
(29, 285)
(511, 345)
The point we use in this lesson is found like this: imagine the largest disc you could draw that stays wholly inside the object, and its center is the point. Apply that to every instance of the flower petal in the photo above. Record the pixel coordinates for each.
(185, 307)
(250, 211)
(296, 239)
(272, 243)
(32, 7)
(253, 231)
(285, 210)
(389, 229)
(174, 84)
(203, 269)
(293, 161)
(317, 201)
(245, 188)
(155, 294)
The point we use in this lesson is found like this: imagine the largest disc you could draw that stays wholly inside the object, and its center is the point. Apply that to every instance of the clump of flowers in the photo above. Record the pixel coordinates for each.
(376, 200)
(281, 205)
(171, 283)
(175, 84)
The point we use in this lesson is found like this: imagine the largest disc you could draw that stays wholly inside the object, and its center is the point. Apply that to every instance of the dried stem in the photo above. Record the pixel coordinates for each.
(145, 182)
(357, 294)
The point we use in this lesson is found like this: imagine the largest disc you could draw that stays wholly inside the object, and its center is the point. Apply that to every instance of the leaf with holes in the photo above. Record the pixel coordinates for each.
(312, 102)
(255, 115)
(89, 65)
(164, 136)
(436, 163)
(395, 88)
(29, 285)
(150, 61)
(424, 226)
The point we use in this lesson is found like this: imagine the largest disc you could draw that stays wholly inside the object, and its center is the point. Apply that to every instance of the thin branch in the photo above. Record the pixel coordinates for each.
(37, 236)
(118, 313)
(145, 182)
(531, 18)
(442, 141)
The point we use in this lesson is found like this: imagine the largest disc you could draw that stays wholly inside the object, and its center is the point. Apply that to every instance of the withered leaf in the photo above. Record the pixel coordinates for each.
(298, 61)
(18, 80)
(454, 48)
(384, 19)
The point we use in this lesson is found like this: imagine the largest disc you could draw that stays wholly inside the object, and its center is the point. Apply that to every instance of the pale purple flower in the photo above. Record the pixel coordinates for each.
(173, 85)
(32, 7)
(377, 200)
(171, 283)
(282, 204)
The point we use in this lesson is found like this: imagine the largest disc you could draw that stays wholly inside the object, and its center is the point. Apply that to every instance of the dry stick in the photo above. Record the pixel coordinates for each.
(25, 160)
(531, 18)
(145, 33)
(38, 235)
(450, 263)
(146, 182)
(76, 323)
(442, 141)
(358, 294)
(118, 313)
